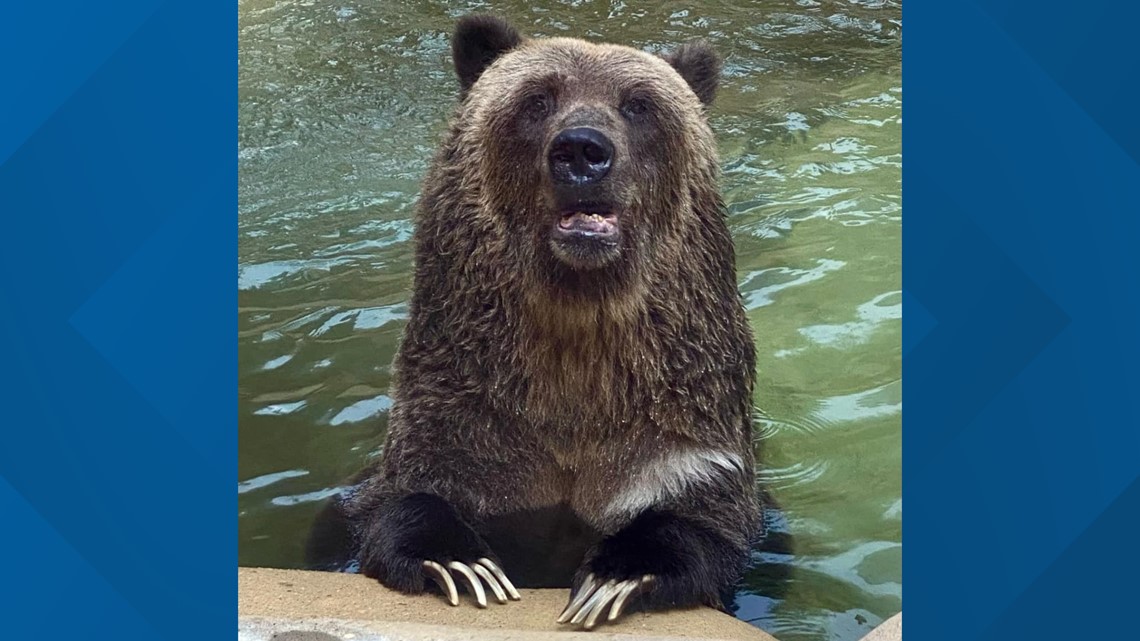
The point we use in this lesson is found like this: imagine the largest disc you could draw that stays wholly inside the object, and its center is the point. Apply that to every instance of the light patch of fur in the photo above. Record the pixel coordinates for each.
(670, 475)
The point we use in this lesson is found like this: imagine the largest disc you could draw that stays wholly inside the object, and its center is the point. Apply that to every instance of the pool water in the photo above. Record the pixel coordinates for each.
(341, 105)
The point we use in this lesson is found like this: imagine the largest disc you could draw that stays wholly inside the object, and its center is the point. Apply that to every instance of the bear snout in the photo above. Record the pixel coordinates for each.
(580, 156)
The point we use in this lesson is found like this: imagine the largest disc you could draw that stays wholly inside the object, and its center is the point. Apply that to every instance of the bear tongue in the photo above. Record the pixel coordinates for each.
(582, 221)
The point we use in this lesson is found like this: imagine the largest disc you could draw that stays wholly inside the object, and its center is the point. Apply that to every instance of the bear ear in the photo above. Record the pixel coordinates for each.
(478, 40)
(699, 65)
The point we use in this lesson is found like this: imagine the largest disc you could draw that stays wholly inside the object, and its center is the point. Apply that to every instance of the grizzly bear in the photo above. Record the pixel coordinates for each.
(573, 393)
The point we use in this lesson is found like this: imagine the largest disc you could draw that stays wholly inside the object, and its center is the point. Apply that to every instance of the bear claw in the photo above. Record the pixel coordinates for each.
(491, 582)
(587, 606)
(485, 569)
(501, 576)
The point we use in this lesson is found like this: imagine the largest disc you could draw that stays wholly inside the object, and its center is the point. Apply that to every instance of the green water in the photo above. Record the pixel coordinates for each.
(341, 106)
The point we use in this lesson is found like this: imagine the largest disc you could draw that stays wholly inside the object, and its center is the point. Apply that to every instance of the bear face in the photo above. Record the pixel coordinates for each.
(587, 154)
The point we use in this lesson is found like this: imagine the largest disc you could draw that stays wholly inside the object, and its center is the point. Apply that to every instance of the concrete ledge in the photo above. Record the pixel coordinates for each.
(889, 630)
(293, 605)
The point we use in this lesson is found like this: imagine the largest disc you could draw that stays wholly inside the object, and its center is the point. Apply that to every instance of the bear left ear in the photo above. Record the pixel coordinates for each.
(699, 65)
(478, 40)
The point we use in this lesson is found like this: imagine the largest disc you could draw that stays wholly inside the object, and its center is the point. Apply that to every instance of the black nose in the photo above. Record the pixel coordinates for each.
(580, 156)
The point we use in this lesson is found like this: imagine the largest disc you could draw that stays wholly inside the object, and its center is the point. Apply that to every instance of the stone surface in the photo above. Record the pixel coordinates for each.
(889, 630)
(294, 605)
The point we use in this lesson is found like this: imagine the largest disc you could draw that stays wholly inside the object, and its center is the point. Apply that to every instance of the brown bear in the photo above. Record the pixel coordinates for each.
(573, 393)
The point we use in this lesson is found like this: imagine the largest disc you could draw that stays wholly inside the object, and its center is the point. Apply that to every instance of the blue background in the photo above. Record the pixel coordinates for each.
(118, 201)
(118, 437)
(1021, 317)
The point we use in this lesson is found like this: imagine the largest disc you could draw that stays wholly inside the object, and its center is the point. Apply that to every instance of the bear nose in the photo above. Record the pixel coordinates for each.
(580, 156)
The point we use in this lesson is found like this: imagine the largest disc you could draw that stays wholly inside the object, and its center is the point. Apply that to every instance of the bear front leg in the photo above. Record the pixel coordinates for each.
(421, 535)
(662, 560)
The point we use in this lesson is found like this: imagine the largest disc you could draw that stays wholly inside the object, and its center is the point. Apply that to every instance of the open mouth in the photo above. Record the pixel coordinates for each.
(587, 235)
(588, 224)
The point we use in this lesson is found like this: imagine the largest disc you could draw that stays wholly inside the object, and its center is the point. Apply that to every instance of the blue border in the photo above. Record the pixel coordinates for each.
(1021, 448)
(118, 454)
(117, 180)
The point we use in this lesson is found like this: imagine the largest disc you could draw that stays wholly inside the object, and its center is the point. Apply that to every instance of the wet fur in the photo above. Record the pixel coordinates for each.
(527, 388)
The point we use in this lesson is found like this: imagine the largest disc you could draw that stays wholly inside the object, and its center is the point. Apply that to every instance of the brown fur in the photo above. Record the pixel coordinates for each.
(524, 383)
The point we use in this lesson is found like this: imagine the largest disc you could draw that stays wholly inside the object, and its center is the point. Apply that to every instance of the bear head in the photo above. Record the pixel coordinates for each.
(595, 160)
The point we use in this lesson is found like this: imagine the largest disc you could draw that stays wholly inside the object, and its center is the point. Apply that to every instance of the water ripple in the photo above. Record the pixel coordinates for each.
(758, 288)
(880, 309)
(268, 479)
(879, 402)
(362, 410)
(799, 473)
(307, 497)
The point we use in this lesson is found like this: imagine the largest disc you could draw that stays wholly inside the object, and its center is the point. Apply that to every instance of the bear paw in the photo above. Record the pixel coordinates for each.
(597, 595)
(660, 560)
(422, 536)
(482, 569)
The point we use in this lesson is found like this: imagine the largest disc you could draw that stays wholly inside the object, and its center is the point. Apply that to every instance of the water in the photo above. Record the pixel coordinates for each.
(341, 106)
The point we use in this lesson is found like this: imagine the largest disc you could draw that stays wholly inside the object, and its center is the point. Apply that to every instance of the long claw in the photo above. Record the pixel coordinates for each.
(600, 596)
(624, 590)
(491, 582)
(472, 581)
(443, 578)
(587, 589)
(501, 576)
(612, 591)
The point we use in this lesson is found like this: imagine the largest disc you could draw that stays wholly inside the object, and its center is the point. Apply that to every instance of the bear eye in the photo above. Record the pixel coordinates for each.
(635, 106)
(537, 106)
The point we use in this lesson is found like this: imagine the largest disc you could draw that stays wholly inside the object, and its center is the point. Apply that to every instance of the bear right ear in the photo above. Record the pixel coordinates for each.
(478, 40)
(700, 66)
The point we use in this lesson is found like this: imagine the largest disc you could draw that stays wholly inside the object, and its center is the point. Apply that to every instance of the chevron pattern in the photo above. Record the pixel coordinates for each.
(118, 450)
(1020, 455)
